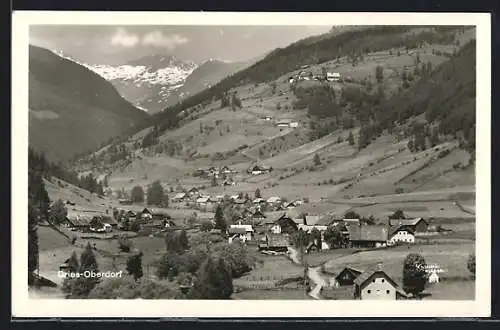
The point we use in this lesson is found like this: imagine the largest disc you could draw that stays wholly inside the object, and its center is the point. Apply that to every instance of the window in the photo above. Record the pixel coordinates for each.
(373, 280)
(383, 280)
(387, 291)
(369, 291)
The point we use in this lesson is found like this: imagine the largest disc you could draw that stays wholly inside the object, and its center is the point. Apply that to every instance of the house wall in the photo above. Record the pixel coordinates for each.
(402, 236)
(378, 289)
(276, 229)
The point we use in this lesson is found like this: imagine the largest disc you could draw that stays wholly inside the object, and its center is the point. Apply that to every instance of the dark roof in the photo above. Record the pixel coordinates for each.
(285, 220)
(259, 213)
(146, 210)
(236, 231)
(407, 222)
(277, 240)
(350, 269)
(369, 233)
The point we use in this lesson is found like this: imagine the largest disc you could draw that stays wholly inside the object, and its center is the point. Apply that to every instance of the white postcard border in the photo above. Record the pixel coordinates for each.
(22, 306)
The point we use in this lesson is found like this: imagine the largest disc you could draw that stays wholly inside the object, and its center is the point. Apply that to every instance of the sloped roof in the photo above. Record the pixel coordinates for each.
(179, 196)
(351, 269)
(349, 222)
(233, 230)
(247, 228)
(407, 222)
(203, 200)
(312, 219)
(365, 276)
(370, 233)
(273, 199)
(277, 240)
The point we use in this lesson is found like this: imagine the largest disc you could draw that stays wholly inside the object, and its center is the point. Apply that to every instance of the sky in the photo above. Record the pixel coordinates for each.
(119, 44)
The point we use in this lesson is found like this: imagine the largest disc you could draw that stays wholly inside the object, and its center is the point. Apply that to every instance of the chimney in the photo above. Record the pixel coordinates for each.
(379, 266)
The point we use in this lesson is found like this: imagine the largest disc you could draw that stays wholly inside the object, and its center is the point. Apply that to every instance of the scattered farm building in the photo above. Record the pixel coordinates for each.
(347, 276)
(401, 234)
(377, 285)
(417, 225)
(367, 235)
(284, 225)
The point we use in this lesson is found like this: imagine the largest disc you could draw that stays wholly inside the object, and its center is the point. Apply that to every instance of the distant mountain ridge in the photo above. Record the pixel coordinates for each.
(73, 109)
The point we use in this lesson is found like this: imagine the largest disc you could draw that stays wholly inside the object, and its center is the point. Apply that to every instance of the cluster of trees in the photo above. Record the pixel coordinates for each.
(47, 169)
(446, 97)
(38, 211)
(155, 195)
(208, 266)
(81, 286)
(302, 238)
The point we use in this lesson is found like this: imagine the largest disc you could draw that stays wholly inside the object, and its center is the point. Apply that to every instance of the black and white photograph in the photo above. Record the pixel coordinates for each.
(326, 159)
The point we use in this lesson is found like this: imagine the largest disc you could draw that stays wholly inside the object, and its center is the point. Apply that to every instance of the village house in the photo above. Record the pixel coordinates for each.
(351, 222)
(287, 123)
(203, 201)
(146, 214)
(401, 234)
(226, 170)
(259, 201)
(277, 243)
(244, 230)
(433, 277)
(284, 225)
(193, 192)
(274, 200)
(416, 225)
(179, 197)
(332, 76)
(377, 285)
(258, 170)
(347, 276)
(367, 236)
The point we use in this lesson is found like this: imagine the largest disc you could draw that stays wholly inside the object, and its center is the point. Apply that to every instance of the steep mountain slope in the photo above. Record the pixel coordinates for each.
(72, 109)
(204, 76)
(149, 81)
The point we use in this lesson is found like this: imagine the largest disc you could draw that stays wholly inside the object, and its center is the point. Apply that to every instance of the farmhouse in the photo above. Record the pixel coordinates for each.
(433, 277)
(273, 200)
(244, 230)
(417, 225)
(376, 285)
(332, 76)
(276, 243)
(226, 170)
(284, 225)
(350, 222)
(313, 247)
(203, 201)
(193, 191)
(287, 123)
(347, 276)
(179, 197)
(258, 169)
(146, 214)
(367, 235)
(401, 234)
